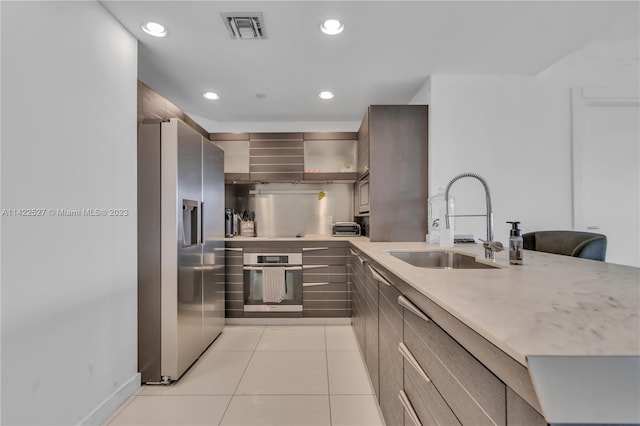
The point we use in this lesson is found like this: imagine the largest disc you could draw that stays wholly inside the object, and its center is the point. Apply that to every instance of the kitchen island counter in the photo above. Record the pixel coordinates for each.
(564, 316)
(551, 305)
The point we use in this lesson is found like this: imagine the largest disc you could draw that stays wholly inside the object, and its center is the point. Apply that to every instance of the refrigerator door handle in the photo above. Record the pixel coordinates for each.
(202, 222)
(191, 217)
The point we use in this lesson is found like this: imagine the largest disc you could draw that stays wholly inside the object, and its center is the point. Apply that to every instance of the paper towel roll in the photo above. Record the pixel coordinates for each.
(446, 237)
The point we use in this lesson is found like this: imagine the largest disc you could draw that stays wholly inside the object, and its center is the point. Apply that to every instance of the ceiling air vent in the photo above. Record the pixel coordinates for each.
(245, 25)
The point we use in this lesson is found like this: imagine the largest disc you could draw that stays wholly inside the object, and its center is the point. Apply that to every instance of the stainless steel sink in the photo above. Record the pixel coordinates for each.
(440, 260)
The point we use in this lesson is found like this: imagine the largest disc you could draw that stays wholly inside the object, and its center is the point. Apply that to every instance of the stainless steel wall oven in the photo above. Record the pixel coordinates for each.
(289, 266)
(363, 195)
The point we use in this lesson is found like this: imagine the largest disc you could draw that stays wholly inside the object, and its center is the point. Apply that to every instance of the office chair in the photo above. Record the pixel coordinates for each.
(585, 245)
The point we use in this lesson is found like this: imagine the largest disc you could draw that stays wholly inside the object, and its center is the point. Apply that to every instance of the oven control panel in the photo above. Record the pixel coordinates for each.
(273, 259)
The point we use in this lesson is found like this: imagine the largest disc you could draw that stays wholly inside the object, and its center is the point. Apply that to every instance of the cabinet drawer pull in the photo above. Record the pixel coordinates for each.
(410, 306)
(378, 277)
(232, 249)
(406, 353)
(314, 266)
(357, 255)
(313, 284)
(314, 248)
(404, 399)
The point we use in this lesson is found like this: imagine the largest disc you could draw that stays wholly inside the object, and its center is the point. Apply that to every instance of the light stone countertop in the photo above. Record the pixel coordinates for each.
(551, 305)
(311, 237)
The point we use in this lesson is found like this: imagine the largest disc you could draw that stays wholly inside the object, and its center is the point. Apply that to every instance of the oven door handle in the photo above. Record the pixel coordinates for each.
(260, 268)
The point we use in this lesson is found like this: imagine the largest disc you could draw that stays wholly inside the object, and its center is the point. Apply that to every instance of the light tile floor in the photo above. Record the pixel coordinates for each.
(265, 375)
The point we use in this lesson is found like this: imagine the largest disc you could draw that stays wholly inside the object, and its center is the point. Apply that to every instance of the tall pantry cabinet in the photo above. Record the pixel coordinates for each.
(393, 156)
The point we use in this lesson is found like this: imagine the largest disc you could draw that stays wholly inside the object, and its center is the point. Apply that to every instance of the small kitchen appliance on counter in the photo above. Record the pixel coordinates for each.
(345, 229)
(229, 223)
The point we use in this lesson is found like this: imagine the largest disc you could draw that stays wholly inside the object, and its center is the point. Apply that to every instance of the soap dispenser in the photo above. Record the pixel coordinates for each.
(515, 244)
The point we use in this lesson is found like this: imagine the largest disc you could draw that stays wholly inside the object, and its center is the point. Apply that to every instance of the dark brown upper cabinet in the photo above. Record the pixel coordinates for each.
(363, 146)
(276, 157)
(393, 151)
(289, 157)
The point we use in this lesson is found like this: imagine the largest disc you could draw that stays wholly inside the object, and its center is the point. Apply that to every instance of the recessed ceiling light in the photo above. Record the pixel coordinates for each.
(211, 95)
(326, 95)
(154, 29)
(332, 27)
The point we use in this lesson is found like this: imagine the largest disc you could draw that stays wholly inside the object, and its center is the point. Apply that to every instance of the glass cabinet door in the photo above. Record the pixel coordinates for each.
(330, 156)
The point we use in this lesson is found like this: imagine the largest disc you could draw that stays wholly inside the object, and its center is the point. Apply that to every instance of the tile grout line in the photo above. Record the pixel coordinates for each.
(298, 394)
(288, 394)
(326, 357)
(241, 376)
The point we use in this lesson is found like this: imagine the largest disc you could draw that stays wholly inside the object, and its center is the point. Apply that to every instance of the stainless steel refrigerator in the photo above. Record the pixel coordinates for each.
(180, 248)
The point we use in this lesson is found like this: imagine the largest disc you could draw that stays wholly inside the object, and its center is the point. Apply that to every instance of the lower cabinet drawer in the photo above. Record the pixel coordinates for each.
(358, 321)
(309, 252)
(330, 290)
(391, 371)
(390, 385)
(426, 401)
(475, 395)
(324, 260)
(520, 413)
(325, 304)
(324, 273)
(371, 338)
(325, 300)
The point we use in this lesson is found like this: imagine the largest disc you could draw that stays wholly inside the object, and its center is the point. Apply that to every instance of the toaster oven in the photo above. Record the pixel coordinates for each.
(345, 229)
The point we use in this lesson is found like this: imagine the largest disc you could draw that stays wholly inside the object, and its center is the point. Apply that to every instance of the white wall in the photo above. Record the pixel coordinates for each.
(69, 284)
(515, 131)
(422, 95)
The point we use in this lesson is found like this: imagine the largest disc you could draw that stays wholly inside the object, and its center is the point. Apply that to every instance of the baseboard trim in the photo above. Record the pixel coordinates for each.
(288, 321)
(112, 402)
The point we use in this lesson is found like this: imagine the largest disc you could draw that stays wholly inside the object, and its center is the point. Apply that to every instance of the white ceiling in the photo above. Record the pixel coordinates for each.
(386, 52)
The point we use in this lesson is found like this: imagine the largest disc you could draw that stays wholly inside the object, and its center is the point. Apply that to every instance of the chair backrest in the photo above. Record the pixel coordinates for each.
(586, 245)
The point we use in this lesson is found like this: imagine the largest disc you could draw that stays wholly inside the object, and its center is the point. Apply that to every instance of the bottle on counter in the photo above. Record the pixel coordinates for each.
(436, 215)
(515, 244)
(229, 225)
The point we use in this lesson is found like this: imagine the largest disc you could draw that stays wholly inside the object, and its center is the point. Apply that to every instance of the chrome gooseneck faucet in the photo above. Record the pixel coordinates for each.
(490, 246)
